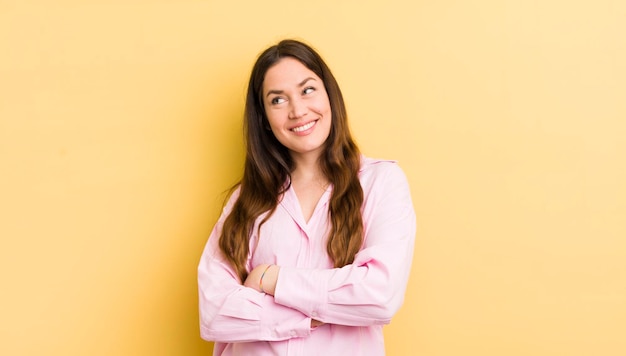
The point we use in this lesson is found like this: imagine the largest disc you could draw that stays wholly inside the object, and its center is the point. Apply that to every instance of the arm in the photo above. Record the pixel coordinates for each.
(263, 279)
(371, 289)
(231, 312)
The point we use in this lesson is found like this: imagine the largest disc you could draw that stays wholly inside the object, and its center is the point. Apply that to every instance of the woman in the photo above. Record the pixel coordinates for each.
(312, 252)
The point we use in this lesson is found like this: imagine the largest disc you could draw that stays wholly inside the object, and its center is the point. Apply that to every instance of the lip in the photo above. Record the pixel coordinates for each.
(307, 130)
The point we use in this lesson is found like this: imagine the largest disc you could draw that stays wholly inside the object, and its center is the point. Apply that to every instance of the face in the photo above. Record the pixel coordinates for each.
(297, 107)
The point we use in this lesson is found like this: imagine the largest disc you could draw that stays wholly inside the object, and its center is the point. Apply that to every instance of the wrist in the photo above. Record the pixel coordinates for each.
(268, 279)
(263, 276)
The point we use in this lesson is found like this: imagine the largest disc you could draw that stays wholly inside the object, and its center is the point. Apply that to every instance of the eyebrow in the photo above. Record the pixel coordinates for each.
(281, 91)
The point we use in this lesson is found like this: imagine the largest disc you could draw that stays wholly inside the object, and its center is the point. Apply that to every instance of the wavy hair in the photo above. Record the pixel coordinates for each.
(268, 166)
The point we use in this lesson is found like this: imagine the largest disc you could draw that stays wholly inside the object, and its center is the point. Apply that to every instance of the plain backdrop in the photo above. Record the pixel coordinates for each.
(120, 131)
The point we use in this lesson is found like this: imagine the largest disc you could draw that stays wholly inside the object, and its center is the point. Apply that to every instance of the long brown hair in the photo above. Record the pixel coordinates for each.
(268, 166)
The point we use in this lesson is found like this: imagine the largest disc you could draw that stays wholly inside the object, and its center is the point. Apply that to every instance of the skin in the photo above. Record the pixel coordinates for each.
(299, 114)
(295, 98)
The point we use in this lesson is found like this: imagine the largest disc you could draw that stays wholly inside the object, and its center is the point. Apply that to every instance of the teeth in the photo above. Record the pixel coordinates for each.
(303, 127)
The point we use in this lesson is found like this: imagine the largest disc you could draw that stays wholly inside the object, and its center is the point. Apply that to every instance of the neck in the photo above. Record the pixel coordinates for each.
(307, 169)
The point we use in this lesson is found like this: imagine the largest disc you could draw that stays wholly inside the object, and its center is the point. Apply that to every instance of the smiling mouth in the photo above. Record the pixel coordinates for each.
(304, 127)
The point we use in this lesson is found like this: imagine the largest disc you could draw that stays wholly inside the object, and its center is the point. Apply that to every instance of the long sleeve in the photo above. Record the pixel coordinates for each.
(230, 312)
(371, 289)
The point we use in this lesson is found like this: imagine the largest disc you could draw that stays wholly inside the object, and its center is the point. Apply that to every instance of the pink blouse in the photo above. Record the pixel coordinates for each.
(354, 301)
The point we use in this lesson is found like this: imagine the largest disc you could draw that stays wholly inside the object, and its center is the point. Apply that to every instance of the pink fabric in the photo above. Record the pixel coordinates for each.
(354, 301)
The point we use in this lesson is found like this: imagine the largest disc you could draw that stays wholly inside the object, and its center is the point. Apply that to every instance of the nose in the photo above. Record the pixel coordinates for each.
(297, 109)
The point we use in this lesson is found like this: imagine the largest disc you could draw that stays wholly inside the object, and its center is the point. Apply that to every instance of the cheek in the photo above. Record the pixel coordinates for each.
(322, 105)
(272, 118)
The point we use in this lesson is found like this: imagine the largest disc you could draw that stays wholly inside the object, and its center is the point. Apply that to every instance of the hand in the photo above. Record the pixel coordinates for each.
(315, 323)
(269, 279)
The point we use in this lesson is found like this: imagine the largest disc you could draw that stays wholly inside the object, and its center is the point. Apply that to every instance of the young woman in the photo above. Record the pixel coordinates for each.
(312, 252)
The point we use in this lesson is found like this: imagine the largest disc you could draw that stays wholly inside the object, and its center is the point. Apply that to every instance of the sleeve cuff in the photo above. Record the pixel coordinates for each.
(303, 290)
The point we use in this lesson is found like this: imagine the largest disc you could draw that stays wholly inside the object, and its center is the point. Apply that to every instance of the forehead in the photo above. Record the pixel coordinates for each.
(286, 73)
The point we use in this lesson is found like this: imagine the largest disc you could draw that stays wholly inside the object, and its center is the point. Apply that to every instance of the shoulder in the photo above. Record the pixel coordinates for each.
(231, 198)
(378, 167)
(375, 171)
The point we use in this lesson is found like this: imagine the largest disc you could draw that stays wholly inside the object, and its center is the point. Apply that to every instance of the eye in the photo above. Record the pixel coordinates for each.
(277, 100)
(308, 90)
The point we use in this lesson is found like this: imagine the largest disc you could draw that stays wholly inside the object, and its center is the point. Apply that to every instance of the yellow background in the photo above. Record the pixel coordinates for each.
(120, 130)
